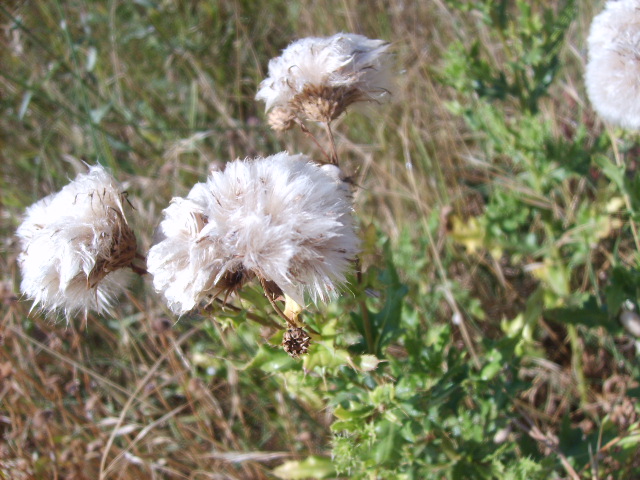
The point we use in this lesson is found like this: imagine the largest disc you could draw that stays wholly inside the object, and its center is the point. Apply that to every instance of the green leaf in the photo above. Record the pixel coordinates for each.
(323, 356)
(589, 314)
(312, 467)
(624, 284)
(366, 363)
(99, 113)
(611, 171)
(388, 448)
(381, 328)
(269, 359)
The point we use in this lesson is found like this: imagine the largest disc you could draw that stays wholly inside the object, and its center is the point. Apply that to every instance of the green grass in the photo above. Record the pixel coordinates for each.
(490, 235)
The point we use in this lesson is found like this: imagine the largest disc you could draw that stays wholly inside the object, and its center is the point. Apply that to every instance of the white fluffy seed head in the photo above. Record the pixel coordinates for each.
(75, 244)
(280, 218)
(341, 69)
(613, 69)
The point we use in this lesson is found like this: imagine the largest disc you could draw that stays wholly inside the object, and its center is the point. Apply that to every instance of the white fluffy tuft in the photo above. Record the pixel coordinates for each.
(64, 237)
(281, 218)
(342, 60)
(613, 70)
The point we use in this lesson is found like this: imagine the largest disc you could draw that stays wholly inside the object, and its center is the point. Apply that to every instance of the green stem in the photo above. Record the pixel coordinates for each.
(576, 363)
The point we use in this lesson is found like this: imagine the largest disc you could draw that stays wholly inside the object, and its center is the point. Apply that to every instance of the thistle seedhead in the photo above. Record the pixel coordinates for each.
(282, 219)
(319, 78)
(75, 244)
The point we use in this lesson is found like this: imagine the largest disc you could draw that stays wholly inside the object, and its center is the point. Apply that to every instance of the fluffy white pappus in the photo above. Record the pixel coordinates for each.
(342, 60)
(281, 218)
(74, 244)
(613, 70)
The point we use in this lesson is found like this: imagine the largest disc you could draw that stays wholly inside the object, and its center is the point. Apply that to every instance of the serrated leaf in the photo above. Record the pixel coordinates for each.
(322, 356)
(589, 314)
(384, 326)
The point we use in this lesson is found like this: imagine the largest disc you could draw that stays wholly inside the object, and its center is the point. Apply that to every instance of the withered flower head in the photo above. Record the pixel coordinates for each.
(318, 78)
(75, 244)
(281, 218)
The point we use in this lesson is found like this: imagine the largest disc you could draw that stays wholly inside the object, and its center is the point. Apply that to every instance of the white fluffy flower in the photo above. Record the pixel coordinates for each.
(280, 218)
(613, 70)
(319, 77)
(74, 245)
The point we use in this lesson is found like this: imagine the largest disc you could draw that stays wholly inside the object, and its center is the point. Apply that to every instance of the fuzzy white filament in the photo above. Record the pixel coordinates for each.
(280, 218)
(75, 244)
(613, 70)
(346, 67)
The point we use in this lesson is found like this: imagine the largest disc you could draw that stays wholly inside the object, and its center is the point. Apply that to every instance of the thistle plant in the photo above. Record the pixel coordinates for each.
(284, 221)
(480, 323)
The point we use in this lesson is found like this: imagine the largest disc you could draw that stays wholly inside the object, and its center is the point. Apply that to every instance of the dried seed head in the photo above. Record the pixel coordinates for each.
(321, 103)
(612, 74)
(296, 342)
(75, 244)
(337, 70)
(282, 119)
(282, 219)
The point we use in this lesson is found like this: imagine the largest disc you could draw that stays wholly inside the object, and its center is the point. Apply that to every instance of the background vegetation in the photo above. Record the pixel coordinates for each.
(499, 216)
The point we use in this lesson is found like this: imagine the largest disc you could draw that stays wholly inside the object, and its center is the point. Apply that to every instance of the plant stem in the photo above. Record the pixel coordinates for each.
(308, 133)
(275, 306)
(332, 143)
(625, 195)
(366, 321)
(576, 363)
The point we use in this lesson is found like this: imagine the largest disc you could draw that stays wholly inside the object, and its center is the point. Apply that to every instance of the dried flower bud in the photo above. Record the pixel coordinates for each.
(296, 342)
(324, 103)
